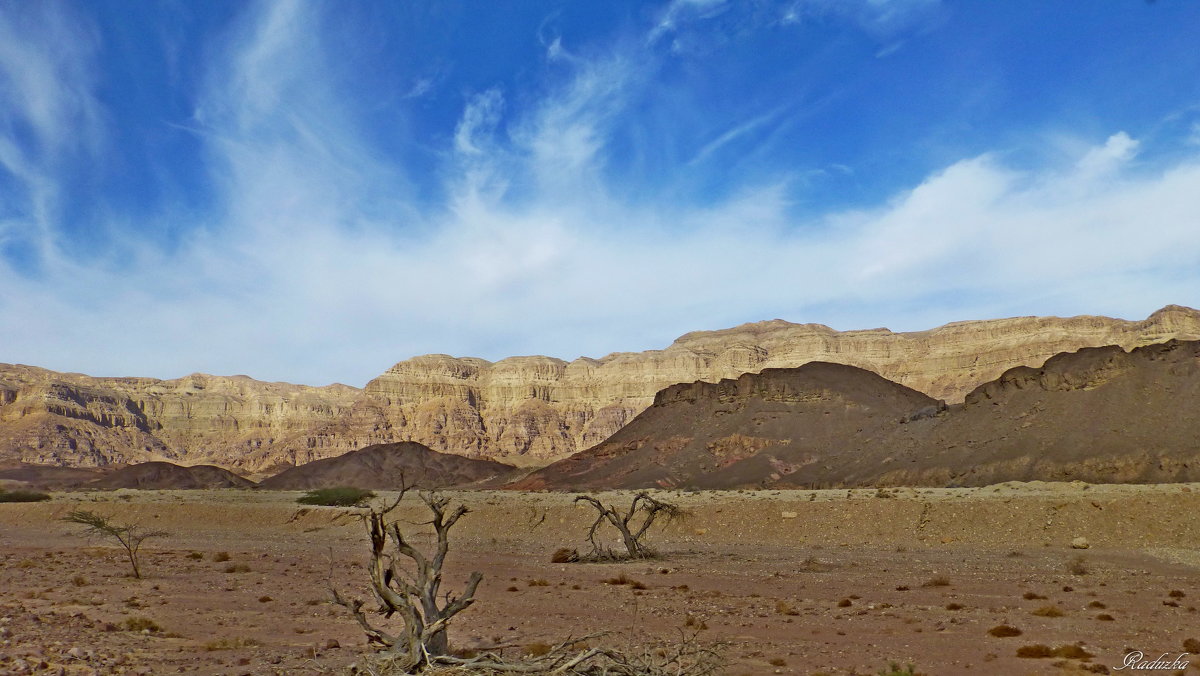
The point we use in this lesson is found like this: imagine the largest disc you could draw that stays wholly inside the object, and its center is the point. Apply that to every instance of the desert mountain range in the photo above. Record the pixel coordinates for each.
(1100, 415)
(525, 411)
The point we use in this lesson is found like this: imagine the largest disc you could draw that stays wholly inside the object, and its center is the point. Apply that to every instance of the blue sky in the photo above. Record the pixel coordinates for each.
(311, 191)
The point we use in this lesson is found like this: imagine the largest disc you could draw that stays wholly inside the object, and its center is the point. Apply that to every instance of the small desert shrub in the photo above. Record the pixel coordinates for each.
(237, 568)
(564, 555)
(845, 603)
(1035, 651)
(1004, 631)
(1032, 596)
(230, 643)
(195, 556)
(937, 581)
(777, 662)
(785, 608)
(22, 496)
(624, 579)
(539, 583)
(537, 649)
(1191, 645)
(140, 624)
(954, 606)
(1049, 611)
(1097, 605)
(340, 496)
(1176, 594)
(79, 581)
(220, 557)
(265, 599)
(1105, 617)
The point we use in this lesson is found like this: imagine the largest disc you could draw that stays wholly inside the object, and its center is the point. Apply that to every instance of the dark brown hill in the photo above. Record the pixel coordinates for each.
(48, 477)
(757, 430)
(387, 466)
(1099, 415)
(169, 476)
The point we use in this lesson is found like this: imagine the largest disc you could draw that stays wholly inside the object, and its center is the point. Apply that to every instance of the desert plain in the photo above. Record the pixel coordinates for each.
(805, 582)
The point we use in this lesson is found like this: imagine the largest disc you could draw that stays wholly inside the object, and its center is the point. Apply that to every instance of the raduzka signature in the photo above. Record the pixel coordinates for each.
(1137, 660)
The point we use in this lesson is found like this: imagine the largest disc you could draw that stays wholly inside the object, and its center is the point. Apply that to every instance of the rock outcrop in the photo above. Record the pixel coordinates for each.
(1099, 415)
(528, 411)
(391, 467)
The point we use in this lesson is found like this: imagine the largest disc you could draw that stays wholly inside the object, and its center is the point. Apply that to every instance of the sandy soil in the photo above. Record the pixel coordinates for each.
(793, 582)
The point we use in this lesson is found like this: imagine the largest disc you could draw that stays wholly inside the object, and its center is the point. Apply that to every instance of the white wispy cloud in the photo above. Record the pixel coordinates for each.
(319, 265)
(48, 116)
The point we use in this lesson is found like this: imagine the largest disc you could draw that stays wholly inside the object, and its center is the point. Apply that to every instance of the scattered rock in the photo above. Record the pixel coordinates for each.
(1080, 543)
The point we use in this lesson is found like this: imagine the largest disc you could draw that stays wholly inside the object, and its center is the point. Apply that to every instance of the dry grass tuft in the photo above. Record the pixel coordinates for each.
(1035, 651)
(1004, 631)
(221, 557)
(1049, 611)
(624, 579)
(785, 608)
(937, 581)
(564, 555)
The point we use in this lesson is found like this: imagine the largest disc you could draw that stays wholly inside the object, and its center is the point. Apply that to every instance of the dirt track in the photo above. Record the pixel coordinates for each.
(769, 573)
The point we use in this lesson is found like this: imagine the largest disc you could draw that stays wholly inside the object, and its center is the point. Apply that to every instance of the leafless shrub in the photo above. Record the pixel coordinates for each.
(414, 593)
(633, 525)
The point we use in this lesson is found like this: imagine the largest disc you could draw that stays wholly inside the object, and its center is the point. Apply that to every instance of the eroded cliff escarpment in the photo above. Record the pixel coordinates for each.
(531, 410)
(522, 410)
(76, 420)
(1100, 415)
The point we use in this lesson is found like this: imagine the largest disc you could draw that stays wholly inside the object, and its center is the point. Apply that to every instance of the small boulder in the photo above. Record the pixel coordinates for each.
(1080, 543)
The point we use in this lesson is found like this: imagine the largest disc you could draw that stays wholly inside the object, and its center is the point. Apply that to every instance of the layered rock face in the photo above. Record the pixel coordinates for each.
(531, 410)
(523, 410)
(76, 420)
(1100, 415)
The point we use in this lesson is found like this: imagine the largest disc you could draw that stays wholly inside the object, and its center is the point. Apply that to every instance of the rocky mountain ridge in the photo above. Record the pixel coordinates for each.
(1101, 415)
(526, 411)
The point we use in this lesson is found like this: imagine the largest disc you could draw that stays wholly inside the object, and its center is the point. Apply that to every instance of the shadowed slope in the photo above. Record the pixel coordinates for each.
(1097, 415)
(169, 476)
(752, 431)
(386, 467)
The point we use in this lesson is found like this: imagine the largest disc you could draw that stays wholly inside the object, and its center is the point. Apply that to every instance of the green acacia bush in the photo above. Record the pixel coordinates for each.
(22, 496)
(340, 496)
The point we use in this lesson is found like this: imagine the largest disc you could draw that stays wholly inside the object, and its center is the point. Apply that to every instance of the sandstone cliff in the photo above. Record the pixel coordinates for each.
(522, 410)
(531, 410)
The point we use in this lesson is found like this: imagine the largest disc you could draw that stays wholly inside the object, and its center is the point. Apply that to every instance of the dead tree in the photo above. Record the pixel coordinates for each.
(643, 507)
(413, 591)
(130, 535)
